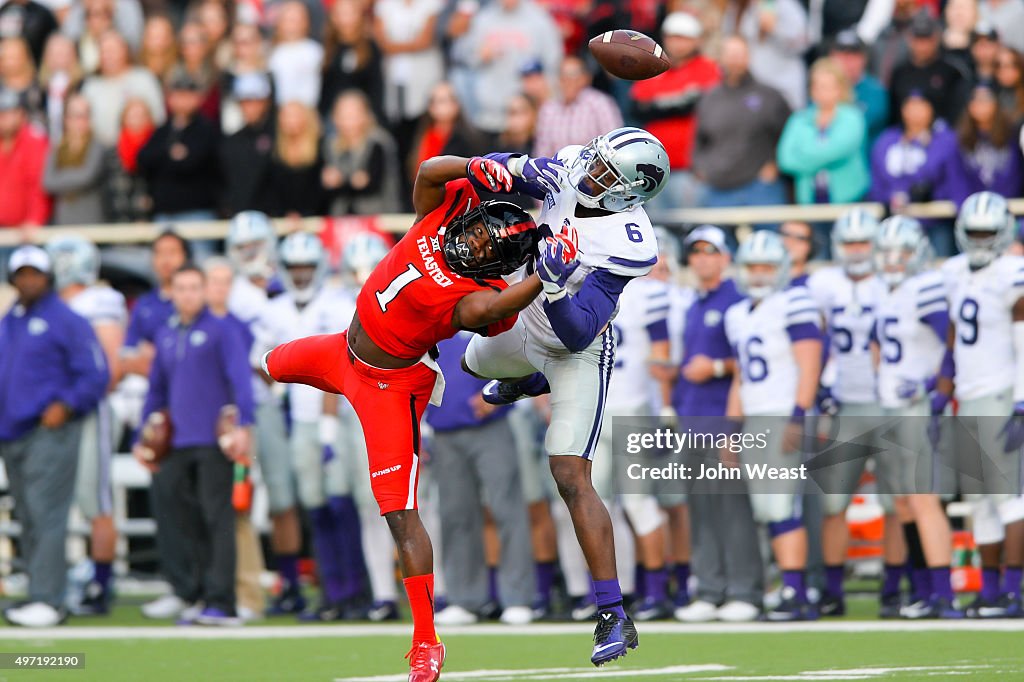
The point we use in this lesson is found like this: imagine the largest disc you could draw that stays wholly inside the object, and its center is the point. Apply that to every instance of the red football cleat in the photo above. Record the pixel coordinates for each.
(425, 661)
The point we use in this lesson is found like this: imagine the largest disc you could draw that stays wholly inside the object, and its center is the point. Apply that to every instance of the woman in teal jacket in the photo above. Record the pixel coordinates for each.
(822, 146)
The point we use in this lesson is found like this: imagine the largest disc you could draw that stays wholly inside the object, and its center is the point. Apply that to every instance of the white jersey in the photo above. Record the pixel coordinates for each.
(980, 306)
(329, 312)
(620, 243)
(247, 302)
(849, 309)
(909, 349)
(761, 339)
(100, 304)
(645, 307)
(680, 300)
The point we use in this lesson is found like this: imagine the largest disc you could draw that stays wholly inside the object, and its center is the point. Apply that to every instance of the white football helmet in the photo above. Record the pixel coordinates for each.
(622, 169)
(901, 249)
(764, 247)
(361, 254)
(251, 244)
(304, 265)
(853, 227)
(984, 228)
(75, 261)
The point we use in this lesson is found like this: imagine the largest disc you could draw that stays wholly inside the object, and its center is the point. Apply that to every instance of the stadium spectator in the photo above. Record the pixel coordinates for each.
(738, 127)
(989, 158)
(53, 374)
(194, 381)
(958, 33)
(127, 16)
(75, 170)
(518, 136)
(352, 58)
(246, 156)
(912, 162)
(892, 47)
(776, 32)
(443, 130)
(59, 76)
(179, 162)
(212, 15)
(23, 152)
(297, 164)
(579, 115)
(502, 37)
(665, 106)
(929, 71)
(461, 73)
(99, 19)
(18, 73)
(247, 57)
(361, 170)
(116, 81)
(296, 59)
(197, 62)
(725, 557)
(1010, 81)
(984, 52)
(470, 478)
(868, 93)
(1008, 15)
(822, 147)
(533, 83)
(868, 17)
(127, 197)
(29, 20)
(159, 51)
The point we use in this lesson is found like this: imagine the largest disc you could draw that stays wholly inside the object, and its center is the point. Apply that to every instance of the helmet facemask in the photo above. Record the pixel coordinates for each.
(596, 181)
(483, 244)
(761, 280)
(303, 281)
(857, 260)
(254, 258)
(893, 265)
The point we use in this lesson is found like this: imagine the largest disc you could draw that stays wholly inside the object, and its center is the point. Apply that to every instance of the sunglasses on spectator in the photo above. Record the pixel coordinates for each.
(794, 235)
(706, 249)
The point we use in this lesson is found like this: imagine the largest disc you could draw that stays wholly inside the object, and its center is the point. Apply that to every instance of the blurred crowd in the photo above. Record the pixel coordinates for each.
(122, 110)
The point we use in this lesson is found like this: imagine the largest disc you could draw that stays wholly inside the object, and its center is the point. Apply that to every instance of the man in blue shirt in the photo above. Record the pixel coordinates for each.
(201, 366)
(52, 373)
(725, 557)
(475, 464)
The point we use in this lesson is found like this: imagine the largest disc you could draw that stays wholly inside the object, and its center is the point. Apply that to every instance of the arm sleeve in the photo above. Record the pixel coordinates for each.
(235, 359)
(577, 319)
(88, 368)
(156, 396)
(38, 199)
(519, 185)
(939, 323)
(802, 316)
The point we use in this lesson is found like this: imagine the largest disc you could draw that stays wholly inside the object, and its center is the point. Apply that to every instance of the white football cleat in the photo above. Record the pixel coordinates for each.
(699, 611)
(517, 615)
(165, 607)
(455, 615)
(36, 614)
(738, 612)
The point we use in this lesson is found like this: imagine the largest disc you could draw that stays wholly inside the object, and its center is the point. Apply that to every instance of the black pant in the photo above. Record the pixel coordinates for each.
(197, 548)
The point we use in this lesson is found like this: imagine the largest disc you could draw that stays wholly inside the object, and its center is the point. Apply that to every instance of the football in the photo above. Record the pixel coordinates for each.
(156, 436)
(629, 54)
(227, 420)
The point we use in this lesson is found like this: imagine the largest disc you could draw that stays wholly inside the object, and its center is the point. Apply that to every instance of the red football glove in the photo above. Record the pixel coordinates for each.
(488, 175)
(569, 239)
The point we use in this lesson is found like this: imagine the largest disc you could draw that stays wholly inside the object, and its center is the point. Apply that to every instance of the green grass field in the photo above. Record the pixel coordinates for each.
(127, 648)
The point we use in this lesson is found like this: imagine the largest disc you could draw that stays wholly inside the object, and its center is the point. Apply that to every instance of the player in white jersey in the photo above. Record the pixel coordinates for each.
(847, 295)
(251, 246)
(908, 345)
(775, 335)
(323, 471)
(564, 341)
(986, 297)
(76, 269)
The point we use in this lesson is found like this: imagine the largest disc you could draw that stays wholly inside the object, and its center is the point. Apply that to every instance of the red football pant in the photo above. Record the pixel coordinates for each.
(388, 402)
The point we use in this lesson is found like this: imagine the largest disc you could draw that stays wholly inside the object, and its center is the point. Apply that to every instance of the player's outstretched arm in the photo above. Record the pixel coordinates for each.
(436, 172)
(487, 306)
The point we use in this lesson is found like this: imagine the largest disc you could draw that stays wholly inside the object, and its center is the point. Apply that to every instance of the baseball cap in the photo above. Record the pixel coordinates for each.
(707, 233)
(28, 257)
(9, 99)
(848, 41)
(924, 25)
(251, 86)
(181, 80)
(531, 67)
(985, 30)
(916, 93)
(682, 24)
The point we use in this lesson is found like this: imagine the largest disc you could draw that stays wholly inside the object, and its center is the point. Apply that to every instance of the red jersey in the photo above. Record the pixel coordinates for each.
(406, 305)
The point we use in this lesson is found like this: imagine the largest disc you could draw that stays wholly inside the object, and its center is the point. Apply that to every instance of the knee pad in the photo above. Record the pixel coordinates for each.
(988, 527)
(643, 513)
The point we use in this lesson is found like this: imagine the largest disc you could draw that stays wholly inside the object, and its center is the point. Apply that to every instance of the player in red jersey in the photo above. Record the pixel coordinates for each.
(443, 276)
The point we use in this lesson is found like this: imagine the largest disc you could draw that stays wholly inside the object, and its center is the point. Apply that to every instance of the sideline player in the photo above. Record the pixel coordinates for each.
(76, 269)
(443, 276)
(564, 342)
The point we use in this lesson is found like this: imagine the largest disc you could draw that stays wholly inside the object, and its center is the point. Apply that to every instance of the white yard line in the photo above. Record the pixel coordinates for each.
(536, 674)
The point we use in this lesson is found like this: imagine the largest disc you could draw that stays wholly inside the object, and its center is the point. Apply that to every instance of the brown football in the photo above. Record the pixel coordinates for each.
(629, 54)
(156, 436)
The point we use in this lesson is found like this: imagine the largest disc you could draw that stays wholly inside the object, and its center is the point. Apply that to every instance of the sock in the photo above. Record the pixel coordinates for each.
(332, 573)
(1011, 581)
(288, 569)
(941, 585)
(535, 384)
(834, 580)
(101, 575)
(545, 580)
(347, 544)
(795, 579)
(656, 584)
(921, 583)
(990, 584)
(640, 579)
(891, 580)
(920, 577)
(420, 589)
(682, 573)
(608, 596)
(492, 584)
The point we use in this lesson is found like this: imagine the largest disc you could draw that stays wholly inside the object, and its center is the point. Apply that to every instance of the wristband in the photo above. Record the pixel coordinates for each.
(798, 415)
(516, 164)
(718, 368)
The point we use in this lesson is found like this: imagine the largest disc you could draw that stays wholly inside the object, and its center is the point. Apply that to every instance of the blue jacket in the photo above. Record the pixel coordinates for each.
(150, 312)
(460, 388)
(47, 353)
(987, 167)
(199, 369)
(804, 151)
(922, 170)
